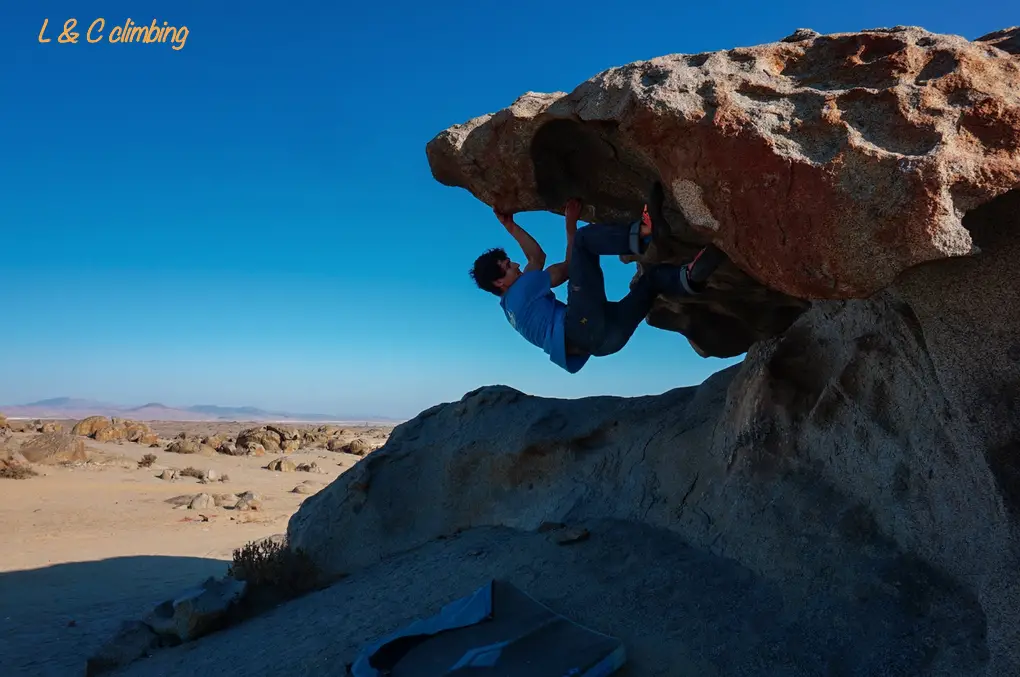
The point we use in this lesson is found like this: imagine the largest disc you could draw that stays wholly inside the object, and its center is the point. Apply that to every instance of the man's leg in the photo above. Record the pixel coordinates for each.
(623, 317)
(586, 288)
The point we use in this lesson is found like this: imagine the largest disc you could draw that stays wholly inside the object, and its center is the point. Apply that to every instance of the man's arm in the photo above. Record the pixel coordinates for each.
(532, 250)
(559, 272)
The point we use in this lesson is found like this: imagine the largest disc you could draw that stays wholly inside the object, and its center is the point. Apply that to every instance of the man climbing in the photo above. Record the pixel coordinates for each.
(588, 324)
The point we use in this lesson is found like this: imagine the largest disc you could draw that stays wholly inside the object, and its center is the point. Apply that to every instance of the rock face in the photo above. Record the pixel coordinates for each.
(874, 443)
(869, 450)
(824, 165)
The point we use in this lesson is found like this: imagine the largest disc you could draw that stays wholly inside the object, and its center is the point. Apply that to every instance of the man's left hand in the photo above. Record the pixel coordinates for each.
(572, 211)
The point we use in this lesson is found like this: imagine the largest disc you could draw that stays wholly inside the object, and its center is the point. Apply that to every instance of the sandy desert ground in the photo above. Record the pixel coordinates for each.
(87, 545)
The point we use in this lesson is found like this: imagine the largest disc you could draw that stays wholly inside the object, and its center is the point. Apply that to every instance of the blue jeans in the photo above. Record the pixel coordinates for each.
(595, 325)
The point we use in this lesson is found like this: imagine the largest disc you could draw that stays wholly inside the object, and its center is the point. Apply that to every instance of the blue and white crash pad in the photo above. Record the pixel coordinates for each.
(497, 631)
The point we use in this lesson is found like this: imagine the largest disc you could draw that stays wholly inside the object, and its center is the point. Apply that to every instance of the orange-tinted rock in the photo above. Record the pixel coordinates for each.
(88, 427)
(109, 434)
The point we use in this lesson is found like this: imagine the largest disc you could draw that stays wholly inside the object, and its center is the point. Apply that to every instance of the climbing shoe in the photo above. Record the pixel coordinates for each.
(651, 220)
(695, 273)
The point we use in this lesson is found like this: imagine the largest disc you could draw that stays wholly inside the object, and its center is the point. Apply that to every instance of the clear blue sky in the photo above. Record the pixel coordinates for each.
(252, 220)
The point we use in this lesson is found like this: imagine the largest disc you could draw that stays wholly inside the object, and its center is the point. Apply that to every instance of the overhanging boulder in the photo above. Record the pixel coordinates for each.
(824, 165)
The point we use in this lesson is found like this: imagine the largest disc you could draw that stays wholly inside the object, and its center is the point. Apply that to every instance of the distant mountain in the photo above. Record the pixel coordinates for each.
(71, 407)
(234, 413)
(67, 403)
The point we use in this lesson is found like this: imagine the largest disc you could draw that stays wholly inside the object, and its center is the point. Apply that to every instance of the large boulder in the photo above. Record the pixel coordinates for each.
(824, 165)
(869, 447)
(883, 428)
(266, 436)
(88, 427)
(54, 449)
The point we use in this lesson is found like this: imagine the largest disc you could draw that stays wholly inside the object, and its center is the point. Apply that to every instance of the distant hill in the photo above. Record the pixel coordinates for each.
(71, 407)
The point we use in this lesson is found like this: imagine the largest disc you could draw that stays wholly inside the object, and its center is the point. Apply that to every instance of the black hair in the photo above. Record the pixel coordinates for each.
(488, 269)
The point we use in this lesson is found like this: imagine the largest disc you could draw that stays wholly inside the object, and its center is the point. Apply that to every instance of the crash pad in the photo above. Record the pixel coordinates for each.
(496, 631)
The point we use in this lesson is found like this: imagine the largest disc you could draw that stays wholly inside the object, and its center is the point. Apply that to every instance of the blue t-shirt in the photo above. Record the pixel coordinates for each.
(537, 315)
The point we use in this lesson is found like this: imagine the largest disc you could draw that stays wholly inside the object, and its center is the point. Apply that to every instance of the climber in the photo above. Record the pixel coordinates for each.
(588, 324)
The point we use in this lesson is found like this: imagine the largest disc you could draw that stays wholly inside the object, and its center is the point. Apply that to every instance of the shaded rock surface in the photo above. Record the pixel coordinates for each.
(885, 427)
(712, 615)
(824, 166)
(196, 612)
(133, 641)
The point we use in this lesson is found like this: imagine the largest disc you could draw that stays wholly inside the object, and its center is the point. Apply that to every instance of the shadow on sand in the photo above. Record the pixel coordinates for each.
(52, 619)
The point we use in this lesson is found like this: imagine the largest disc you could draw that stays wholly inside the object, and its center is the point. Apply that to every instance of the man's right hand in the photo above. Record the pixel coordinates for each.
(505, 218)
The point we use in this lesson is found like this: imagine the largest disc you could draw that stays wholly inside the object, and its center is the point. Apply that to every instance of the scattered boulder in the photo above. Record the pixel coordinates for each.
(309, 467)
(197, 612)
(225, 500)
(133, 640)
(268, 438)
(320, 437)
(304, 488)
(282, 465)
(116, 429)
(185, 446)
(88, 427)
(140, 433)
(54, 449)
(4, 425)
(357, 446)
(51, 427)
(246, 504)
(109, 434)
(168, 475)
(214, 441)
(202, 502)
(229, 449)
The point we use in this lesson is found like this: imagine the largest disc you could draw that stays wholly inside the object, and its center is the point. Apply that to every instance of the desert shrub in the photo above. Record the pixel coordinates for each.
(225, 478)
(147, 460)
(192, 472)
(16, 472)
(272, 564)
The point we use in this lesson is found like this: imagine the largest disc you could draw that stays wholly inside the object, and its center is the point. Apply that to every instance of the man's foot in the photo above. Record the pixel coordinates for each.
(696, 272)
(652, 217)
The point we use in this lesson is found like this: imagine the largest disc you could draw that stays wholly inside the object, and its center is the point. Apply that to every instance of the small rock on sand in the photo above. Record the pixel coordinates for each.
(246, 504)
(282, 465)
(202, 502)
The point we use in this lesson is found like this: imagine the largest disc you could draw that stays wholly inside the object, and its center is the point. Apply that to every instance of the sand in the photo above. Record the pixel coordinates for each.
(87, 546)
